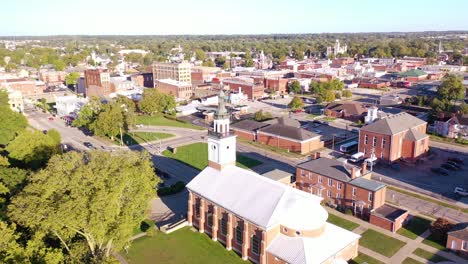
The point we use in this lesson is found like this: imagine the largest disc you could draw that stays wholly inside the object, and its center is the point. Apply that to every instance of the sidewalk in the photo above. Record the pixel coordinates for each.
(405, 251)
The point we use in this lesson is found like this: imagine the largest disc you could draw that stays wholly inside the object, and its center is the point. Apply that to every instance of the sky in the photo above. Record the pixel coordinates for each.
(175, 17)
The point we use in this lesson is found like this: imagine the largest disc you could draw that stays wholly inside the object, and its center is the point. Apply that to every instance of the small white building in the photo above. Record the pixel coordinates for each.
(69, 105)
(238, 97)
(15, 100)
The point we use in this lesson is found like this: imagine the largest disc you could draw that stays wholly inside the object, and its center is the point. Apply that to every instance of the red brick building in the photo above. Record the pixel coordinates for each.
(264, 221)
(253, 90)
(97, 83)
(351, 110)
(341, 184)
(389, 217)
(25, 86)
(457, 239)
(279, 85)
(143, 79)
(180, 90)
(394, 137)
(284, 134)
(52, 78)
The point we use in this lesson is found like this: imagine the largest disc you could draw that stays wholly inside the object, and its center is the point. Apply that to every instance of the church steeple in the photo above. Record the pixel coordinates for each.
(221, 143)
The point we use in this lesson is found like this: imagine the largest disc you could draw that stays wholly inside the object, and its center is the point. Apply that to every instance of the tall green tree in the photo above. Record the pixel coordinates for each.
(88, 202)
(32, 149)
(12, 122)
(295, 87)
(154, 102)
(72, 78)
(110, 122)
(296, 103)
(451, 88)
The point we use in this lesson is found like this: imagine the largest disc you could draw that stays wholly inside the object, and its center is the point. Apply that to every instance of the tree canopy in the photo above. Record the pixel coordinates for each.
(451, 88)
(12, 122)
(295, 87)
(154, 102)
(296, 103)
(88, 202)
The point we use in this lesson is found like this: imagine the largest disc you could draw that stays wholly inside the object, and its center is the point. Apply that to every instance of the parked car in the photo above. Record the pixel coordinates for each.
(460, 191)
(139, 125)
(440, 171)
(298, 111)
(456, 160)
(458, 166)
(51, 118)
(89, 145)
(356, 157)
(449, 167)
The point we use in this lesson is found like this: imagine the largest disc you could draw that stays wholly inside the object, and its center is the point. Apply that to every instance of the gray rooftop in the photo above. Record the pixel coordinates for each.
(394, 124)
(415, 135)
(328, 167)
(389, 212)
(248, 125)
(277, 174)
(367, 184)
(460, 231)
(289, 132)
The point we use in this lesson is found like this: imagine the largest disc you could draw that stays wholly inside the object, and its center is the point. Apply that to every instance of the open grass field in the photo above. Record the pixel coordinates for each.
(161, 120)
(181, 246)
(196, 155)
(142, 137)
(415, 227)
(363, 258)
(341, 222)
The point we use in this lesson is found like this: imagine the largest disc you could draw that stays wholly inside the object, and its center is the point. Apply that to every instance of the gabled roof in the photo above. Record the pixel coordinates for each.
(258, 199)
(414, 135)
(291, 132)
(302, 250)
(394, 124)
(328, 167)
(351, 108)
(249, 125)
(460, 231)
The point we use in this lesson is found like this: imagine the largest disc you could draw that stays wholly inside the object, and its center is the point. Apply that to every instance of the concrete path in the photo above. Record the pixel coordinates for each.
(405, 251)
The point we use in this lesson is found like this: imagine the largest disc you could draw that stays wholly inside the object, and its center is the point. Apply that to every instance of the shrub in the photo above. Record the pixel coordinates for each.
(337, 95)
(348, 211)
(174, 188)
(151, 232)
(439, 229)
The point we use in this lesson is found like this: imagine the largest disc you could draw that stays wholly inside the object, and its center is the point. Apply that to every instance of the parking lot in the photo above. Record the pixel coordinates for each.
(421, 176)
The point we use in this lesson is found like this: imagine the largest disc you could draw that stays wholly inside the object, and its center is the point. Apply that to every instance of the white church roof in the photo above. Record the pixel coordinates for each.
(255, 198)
(302, 250)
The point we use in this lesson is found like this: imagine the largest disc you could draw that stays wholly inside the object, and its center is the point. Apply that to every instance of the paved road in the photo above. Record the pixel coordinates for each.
(448, 147)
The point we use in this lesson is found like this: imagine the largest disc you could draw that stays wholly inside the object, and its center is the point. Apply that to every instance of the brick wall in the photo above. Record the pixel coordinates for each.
(381, 222)
(459, 244)
(244, 134)
(279, 142)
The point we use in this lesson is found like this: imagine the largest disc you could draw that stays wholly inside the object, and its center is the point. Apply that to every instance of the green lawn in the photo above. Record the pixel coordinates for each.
(161, 120)
(410, 261)
(341, 222)
(415, 227)
(145, 225)
(142, 137)
(363, 258)
(430, 241)
(380, 243)
(196, 155)
(181, 246)
(428, 255)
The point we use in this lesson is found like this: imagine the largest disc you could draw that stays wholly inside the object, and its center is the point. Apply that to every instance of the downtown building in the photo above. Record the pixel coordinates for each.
(180, 72)
(263, 220)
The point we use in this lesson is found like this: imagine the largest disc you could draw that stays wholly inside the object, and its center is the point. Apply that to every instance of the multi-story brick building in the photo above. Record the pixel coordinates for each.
(144, 79)
(180, 90)
(25, 86)
(396, 136)
(341, 184)
(253, 90)
(52, 78)
(97, 83)
(278, 85)
(262, 220)
(176, 71)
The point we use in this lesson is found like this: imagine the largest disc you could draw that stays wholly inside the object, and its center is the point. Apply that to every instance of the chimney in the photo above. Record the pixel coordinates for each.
(315, 156)
(364, 168)
(354, 172)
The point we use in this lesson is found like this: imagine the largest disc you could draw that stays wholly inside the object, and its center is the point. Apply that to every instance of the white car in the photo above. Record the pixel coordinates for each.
(139, 125)
(460, 191)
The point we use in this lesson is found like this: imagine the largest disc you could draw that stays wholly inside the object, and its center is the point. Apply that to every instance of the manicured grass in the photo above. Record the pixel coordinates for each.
(428, 255)
(415, 227)
(196, 155)
(380, 243)
(363, 258)
(143, 226)
(181, 246)
(428, 199)
(431, 241)
(341, 222)
(410, 261)
(161, 120)
(269, 148)
(142, 137)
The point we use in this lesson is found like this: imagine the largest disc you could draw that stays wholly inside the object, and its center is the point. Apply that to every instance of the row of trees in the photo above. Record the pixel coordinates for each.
(109, 119)
(66, 208)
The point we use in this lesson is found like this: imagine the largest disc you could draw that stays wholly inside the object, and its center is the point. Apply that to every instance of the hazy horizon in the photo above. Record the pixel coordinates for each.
(242, 17)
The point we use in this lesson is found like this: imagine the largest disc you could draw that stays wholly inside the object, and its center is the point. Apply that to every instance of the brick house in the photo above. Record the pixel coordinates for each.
(397, 136)
(353, 111)
(457, 239)
(344, 185)
(282, 133)
(264, 221)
